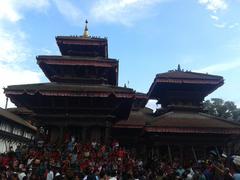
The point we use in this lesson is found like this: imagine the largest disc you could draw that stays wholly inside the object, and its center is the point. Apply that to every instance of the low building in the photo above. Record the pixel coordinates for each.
(14, 131)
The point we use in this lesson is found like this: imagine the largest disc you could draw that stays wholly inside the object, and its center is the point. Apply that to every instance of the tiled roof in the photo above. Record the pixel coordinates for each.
(16, 119)
(184, 81)
(74, 58)
(137, 119)
(178, 122)
(188, 75)
(80, 38)
(62, 87)
(192, 122)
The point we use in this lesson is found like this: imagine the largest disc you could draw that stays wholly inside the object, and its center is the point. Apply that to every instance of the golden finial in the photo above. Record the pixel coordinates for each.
(85, 33)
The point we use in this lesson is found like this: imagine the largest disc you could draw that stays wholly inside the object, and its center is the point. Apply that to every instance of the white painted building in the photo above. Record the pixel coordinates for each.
(14, 131)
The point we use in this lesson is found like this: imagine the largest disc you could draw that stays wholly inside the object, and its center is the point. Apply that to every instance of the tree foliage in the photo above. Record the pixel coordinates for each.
(221, 108)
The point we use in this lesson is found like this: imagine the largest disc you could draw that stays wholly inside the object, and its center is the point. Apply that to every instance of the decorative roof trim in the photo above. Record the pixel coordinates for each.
(72, 94)
(193, 130)
(97, 63)
(190, 81)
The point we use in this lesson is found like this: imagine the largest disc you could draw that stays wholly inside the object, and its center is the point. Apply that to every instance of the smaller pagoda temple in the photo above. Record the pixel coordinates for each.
(83, 98)
(180, 127)
(181, 123)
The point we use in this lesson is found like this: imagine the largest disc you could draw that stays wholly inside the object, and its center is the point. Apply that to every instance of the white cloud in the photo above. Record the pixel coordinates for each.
(152, 105)
(220, 25)
(216, 18)
(234, 25)
(13, 52)
(15, 75)
(70, 11)
(214, 5)
(12, 10)
(12, 46)
(8, 11)
(122, 11)
(237, 103)
(216, 68)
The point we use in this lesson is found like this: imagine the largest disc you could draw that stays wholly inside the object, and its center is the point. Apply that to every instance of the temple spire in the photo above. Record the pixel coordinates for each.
(85, 33)
(179, 67)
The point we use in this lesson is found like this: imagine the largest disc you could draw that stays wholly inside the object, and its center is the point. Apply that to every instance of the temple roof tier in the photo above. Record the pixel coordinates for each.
(56, 98)
(83, 46)
(191, 122)
(83, 70)
(180, 122)
(184, 87)
(140, 101)
(62, 89)
(136, 120)
(77, 60)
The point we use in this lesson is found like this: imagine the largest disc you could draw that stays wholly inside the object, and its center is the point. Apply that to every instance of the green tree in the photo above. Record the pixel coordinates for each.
(221, 108)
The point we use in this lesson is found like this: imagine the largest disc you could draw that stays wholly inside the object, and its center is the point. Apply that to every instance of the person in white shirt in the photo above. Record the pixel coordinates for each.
(50, 174)
(22, 174)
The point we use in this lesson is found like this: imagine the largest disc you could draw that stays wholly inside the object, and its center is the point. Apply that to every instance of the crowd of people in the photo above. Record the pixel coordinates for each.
(74, 160)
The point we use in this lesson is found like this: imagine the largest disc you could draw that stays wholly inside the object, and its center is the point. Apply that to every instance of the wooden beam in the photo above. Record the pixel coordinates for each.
(75, 116)
(50, 108)
(170, 154)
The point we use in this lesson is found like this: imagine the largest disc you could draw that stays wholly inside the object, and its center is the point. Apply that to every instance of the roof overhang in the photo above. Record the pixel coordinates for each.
(71, 69)
(81, 40)
(203, 83)
(78, 45)
(73, 90)
(80, 61)
(55, 98)
(152, 129)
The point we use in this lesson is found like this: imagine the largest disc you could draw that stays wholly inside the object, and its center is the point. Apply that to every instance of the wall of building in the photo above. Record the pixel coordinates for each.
(5, 145)
(8, 133)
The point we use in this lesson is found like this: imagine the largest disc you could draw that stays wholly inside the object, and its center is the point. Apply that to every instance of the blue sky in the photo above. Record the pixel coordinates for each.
(147, 36)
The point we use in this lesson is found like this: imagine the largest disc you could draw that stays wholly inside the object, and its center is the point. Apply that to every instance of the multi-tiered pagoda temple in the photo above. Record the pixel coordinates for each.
(83, 99)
